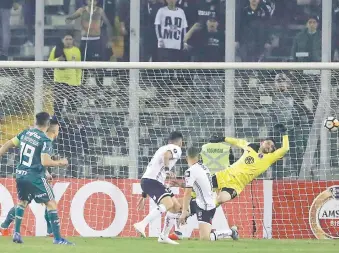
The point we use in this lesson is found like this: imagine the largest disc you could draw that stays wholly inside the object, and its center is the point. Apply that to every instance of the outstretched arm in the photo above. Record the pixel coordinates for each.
(9, 144)
(284, 149)
(75, 15)
(286, 145)
(241, 143)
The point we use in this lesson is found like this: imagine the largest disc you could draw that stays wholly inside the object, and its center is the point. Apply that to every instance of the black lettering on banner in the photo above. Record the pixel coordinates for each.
(249, 160)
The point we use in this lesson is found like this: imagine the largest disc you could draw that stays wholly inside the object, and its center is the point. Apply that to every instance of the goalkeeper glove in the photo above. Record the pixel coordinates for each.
(281, 128)
(216, 139)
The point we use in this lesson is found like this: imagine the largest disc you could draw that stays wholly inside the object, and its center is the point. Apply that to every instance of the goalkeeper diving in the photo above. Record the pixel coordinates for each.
(255, 160)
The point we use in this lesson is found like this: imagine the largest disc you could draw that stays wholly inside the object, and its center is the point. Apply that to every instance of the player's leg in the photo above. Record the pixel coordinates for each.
(172, 216)
(24, 189)
(161, 196)
(222, 234)
(49, 227)
(205, 218)
(226, 194)
(4, 231)
(44, 194)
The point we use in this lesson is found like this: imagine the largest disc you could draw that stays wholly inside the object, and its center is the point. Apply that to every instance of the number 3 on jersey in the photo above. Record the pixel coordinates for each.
(27, 151)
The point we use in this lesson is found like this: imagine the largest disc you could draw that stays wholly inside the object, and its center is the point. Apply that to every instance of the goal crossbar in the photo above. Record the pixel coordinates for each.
(173, 65)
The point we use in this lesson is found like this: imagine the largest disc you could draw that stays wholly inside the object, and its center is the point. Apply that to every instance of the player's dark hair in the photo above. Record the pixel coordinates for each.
(175, 136)
(69, 33)
(193, 152)
(42, 119)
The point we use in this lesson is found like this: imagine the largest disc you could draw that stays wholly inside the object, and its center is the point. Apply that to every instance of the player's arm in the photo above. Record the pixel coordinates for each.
(185, 204)
(157, 25)
(75, 15)
(107, 23)
(167, 157)
(285, 143)
(240, 143)
(46, 157)
(8, 145)
(189, 182)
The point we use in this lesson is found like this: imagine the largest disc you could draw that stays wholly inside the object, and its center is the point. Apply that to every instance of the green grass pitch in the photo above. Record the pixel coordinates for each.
(150, 245)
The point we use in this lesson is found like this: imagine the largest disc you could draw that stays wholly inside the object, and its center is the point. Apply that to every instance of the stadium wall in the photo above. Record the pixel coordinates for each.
(265, 209)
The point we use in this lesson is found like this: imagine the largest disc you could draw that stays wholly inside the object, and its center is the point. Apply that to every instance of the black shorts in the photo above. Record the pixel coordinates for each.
(214, 181)
(231, 191)
(205, 216)
(156, 190)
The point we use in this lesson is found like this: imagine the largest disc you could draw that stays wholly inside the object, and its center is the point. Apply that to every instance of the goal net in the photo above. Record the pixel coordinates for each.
(112, 124)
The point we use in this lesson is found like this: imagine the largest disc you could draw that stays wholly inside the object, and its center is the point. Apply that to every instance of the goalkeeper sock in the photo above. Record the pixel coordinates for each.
(19, 213)
(9, 218)
(55, 223)
(217, 235)
(170, 220)
(49, 227)
(155, 213)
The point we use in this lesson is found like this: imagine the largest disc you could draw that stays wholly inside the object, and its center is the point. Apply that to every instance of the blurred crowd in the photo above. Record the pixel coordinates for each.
(266, 30)
(176, 31)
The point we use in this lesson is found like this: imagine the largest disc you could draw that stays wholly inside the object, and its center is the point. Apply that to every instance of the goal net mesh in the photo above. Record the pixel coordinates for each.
(94, 136)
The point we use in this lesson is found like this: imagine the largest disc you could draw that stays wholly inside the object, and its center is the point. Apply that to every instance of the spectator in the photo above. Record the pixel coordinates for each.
(209, 43)
(252, 35)
(203, 9)
(307, 44)
(190, 9)
(29, 17)
(5, 16)
(149, 36)
(124, 18)
(67, 81)
(90, 45)
(170, 26)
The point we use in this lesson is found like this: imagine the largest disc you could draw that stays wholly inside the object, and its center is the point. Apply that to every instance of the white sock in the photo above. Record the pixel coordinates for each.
(170, 220)
(217, 235)
(155, 213)
(177, 225)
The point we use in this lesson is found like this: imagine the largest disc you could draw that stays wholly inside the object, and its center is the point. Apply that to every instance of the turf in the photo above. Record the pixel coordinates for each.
(103, 245)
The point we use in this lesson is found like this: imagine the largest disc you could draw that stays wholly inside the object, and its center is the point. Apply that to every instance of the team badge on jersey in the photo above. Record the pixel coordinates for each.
(249, 160)
(324, 214)
(261, 156)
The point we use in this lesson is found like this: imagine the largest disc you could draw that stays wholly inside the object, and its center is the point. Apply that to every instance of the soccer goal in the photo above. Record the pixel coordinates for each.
(120, 113)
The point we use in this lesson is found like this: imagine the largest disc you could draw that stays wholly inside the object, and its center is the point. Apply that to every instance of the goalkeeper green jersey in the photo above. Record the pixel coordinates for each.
(32, 142)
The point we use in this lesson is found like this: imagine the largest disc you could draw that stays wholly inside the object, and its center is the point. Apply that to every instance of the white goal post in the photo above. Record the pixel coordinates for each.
(113, 122)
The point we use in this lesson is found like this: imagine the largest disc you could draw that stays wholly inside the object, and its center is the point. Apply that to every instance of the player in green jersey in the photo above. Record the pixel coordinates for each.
(31, 183)
(52, 133)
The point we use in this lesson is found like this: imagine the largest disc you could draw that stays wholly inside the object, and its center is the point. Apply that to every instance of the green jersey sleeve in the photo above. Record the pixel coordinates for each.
(47, 148)
(16, 139)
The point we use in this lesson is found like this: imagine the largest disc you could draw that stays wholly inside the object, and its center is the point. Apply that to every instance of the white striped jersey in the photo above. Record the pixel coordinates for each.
(156, 167)
(199, 178)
